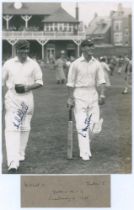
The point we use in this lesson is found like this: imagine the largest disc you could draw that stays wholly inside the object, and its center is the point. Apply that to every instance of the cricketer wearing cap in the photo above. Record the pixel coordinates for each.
(84, 74)
(21, 75)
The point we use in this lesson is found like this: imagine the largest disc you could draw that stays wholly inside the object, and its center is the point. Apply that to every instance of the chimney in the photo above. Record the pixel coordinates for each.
(120, 7)
(95, 14)
(77, 12)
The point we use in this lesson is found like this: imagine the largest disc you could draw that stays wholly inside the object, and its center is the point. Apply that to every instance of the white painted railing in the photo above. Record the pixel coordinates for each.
(42, 35)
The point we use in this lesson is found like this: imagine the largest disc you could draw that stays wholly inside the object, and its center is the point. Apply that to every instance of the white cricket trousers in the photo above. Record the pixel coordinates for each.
(87, 114)
(19, 110)
(16, 142)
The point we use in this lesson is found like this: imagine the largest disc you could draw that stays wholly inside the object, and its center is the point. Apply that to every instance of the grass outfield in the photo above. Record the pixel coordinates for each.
(47, 147)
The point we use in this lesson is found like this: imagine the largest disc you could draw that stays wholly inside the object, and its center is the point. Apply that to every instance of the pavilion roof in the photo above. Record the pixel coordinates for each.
(36, 8)
(60, 15)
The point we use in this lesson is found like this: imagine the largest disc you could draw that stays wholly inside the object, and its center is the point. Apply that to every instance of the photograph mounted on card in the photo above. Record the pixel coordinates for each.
(65, 191)
(77, 63)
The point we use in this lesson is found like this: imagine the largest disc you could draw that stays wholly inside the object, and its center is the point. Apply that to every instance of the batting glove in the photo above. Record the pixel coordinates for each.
(70, 103)
(101, 100)
(20, 88)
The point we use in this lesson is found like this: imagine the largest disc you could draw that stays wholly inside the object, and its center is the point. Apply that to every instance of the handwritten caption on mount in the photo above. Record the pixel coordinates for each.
(65, 191)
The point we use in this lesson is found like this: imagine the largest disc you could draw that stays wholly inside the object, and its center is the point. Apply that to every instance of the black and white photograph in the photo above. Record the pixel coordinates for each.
(66, 104)
(66, 87)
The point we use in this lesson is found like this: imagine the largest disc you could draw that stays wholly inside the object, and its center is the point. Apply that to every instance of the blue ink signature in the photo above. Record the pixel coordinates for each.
(87, 122)
(20, 115)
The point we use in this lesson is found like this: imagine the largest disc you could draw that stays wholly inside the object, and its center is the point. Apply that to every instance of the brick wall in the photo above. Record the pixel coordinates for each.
(112, 51)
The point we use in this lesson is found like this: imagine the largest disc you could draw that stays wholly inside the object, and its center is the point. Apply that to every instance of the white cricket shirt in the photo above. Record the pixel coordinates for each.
(27, 73)
(85, 74)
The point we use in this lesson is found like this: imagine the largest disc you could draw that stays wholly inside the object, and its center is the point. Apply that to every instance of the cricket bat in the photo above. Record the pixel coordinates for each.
(70, 135)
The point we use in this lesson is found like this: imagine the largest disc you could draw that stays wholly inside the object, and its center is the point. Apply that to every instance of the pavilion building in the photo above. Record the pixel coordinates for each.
(47, 26)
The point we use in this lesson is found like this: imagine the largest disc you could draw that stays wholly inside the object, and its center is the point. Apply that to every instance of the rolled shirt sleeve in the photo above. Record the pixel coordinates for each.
(71, 76)
(38, 74)
(100, 75)
(4, 73)
(107, 67)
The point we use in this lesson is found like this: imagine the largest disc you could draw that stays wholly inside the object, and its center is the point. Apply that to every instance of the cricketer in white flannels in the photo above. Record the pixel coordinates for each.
(84, 75)
(21, 75)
